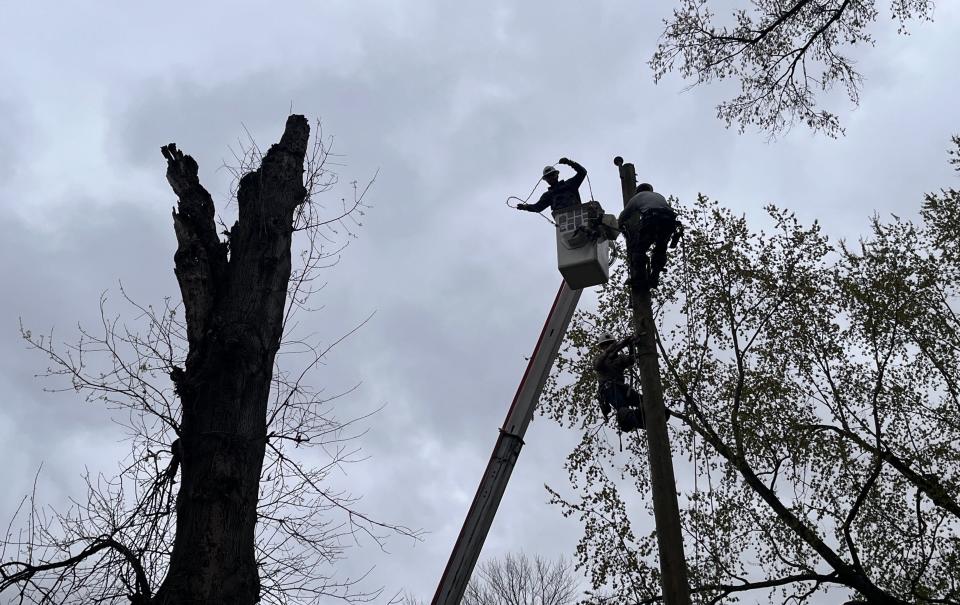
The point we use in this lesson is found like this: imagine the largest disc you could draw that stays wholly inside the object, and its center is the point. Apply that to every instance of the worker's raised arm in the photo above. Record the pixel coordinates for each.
(630, 357)
(580, 170)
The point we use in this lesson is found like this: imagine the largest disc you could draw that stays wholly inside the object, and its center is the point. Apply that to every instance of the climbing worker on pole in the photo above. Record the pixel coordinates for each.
(561, 194)
(649, 218)
(611, 366)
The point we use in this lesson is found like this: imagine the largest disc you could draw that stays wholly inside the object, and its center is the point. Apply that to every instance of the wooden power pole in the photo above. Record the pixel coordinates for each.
(666, 511)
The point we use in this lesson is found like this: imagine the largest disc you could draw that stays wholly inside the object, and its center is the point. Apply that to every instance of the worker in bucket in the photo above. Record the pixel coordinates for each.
(611, 366)
(648, 222)
(561, 194)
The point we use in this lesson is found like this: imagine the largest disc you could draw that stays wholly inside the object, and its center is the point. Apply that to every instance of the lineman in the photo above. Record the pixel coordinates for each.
(614, 392)
(561, 194)
(649, 221)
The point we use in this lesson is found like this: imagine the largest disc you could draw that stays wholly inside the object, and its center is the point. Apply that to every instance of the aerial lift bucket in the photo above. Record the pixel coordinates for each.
(583, 261)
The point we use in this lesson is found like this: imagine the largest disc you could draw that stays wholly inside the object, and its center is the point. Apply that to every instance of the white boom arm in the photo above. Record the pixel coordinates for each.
(494, 482)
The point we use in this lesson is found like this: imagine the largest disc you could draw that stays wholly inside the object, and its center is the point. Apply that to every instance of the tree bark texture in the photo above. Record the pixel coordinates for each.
(234, 294)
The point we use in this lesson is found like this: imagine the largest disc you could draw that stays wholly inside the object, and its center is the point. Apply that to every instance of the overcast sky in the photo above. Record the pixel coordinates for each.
(458, 105)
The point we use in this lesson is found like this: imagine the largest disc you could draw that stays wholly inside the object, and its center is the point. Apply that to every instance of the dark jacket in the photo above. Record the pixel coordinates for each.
(644, 205)
(611, 365)
(564, 194)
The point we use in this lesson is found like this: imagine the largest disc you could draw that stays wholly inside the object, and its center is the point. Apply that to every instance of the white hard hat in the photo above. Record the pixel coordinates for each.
(606, 338)
(550, 170)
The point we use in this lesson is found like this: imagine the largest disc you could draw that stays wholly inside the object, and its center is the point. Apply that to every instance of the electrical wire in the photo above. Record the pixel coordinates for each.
(530, 195)
(523, 201)
(698, 539)
(696, 499)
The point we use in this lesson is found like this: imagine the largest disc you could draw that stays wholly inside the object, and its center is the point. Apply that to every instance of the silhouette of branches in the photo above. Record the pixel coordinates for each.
(114, 545)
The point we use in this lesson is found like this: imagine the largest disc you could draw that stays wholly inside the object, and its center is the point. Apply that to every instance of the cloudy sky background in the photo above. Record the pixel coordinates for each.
(458, 105)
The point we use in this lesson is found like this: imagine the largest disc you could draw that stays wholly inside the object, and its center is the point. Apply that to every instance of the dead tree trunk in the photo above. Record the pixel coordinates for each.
(234, 295)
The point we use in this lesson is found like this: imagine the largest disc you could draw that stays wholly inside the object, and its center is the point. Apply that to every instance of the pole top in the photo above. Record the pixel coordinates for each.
(618, 161)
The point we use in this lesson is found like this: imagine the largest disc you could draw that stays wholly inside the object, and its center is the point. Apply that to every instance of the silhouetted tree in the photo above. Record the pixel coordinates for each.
(520, 580)
(783, 54)
(815, 393)
(517, 580)
(217, 503)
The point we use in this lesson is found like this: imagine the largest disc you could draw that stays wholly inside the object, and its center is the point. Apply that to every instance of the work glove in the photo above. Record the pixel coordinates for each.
(564, 161)
(523, 207)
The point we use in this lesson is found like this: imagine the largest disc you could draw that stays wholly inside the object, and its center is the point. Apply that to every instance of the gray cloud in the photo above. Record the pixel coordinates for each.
(458, 106)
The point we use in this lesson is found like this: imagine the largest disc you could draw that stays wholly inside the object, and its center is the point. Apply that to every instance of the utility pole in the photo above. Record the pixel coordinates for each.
(666, 511)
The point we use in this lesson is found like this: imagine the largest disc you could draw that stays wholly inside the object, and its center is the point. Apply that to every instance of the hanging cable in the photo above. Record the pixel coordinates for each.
(686, 288)
(696, 500)
(693, 434)
(530, 195)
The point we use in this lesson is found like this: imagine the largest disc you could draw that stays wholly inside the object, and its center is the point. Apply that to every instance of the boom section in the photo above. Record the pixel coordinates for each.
(465, 553)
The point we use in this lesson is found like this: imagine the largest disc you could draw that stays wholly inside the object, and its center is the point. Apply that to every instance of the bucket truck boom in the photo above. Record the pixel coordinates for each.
(495, 477)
